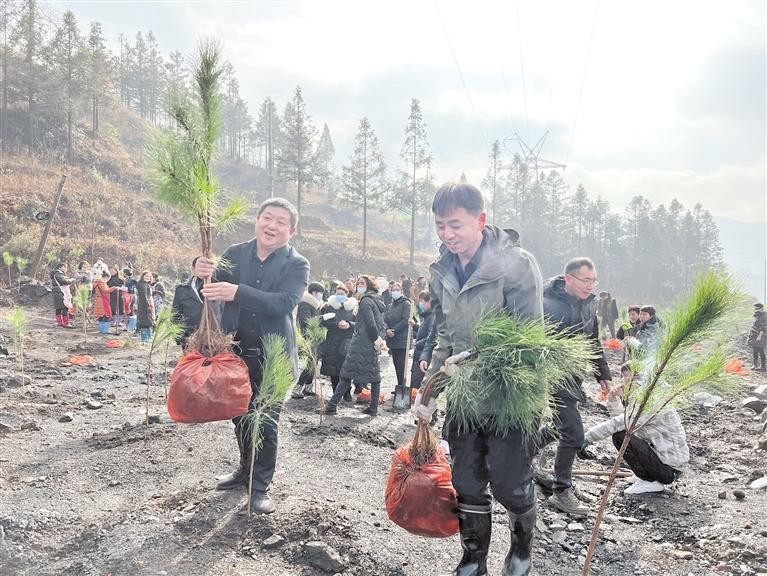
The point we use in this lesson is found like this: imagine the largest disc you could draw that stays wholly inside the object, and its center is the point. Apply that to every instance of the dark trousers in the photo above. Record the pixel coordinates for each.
(399, 357)
(610, 325)
(344, 386)
(334, 380)
(306, 379)
(643, 461)
(568, 428)
(266, 454)
(758, 353)
(482, 460)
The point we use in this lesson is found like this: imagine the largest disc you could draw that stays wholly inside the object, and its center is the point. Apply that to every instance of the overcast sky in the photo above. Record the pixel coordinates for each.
(664, 99)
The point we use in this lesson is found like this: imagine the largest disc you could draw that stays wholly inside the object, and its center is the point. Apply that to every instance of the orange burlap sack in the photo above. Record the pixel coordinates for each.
(206, 389)
(613, 344)
(115, 344)
(364, 397)
(422, 499)
(81, 360)
(735, 366)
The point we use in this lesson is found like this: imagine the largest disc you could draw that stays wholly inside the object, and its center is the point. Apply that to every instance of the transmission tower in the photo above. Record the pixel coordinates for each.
(531, 155)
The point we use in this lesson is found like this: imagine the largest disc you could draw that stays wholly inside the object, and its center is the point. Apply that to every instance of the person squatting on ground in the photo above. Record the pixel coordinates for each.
(657, 453)
(260, 288)
(569, 304)
(757, 336)
(397, 321)
(481, 270)
(309, 307)
(62, 295)
(361, 364)
(340, 331)
(424, 345)
(187, 306)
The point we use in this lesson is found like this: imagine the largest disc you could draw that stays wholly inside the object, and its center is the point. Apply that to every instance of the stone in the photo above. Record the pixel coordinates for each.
(558, 525)
(93, 405)
(5, 427)
(682, 554)
(759, 483)
(755, 403)
(761, 443)
(558, 537)
(30, 425)
(66, 417)
(575, 527)
(723, 495)
(739, 494)
(322, 556)
(274, 541)
(154, 419)
(541, 526)
(17, 380)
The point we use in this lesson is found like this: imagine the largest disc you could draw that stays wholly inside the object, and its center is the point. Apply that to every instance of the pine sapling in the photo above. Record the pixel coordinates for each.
(308, 342)
(8, 261)
(277, 380)
(688, 354)
(21, 264)
(18, 321)
(165, 331)
(82, 300)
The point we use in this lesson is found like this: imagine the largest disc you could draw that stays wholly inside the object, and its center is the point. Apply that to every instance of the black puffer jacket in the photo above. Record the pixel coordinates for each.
(337, 341)
(361, 363)
(421, 340)
(576, 317)
(757, 336)
(187, 307)
(395, 318)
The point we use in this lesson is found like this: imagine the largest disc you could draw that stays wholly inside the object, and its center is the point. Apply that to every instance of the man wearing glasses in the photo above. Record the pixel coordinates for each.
(569, 303)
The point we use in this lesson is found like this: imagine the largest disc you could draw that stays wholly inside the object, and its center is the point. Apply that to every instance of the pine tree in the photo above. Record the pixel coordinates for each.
(97, 77)
(324, 157)
(139, 73)
(412, 194)
(296, 160)
(67, 56)
(154, 75)
(27, 38)
(492, 180)
(266, 133)
(364, 178)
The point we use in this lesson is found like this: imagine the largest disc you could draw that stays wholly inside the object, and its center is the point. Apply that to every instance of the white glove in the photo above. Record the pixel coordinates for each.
(329, 315)
(380, 344)
(424, 412)
(451, 364)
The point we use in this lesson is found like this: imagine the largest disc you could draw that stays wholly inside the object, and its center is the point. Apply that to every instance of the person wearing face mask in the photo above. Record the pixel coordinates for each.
(308, 308)
(423, 348)
(361, 364)
(340, 331)
(396, 319)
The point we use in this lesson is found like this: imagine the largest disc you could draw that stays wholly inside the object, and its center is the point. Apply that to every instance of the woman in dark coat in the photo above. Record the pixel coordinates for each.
(361, 363)
(340, 331)
(62, 295)
(422, 342)
(396, 319)
(757, 337)
(116, 298)
(145, 306)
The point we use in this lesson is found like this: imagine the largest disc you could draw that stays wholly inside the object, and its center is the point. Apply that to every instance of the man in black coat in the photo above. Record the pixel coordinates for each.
(308, 308)
(261, 287)
(187, 306)
(569, 303)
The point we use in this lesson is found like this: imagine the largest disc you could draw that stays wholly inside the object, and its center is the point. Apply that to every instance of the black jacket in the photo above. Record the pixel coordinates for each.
(273, 303)
(187, 307)
(396, 318)
(646, 331)
(116, 297)
(58, 281)
(337, 341)
(361, 363)
(575, 316)
(423, 348)
(307, 309)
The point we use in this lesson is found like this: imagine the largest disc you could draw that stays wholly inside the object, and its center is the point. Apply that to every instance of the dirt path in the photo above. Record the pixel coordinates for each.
(104, 494)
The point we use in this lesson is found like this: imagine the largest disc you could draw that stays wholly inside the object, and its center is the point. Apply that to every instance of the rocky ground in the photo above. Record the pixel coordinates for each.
(87, 488)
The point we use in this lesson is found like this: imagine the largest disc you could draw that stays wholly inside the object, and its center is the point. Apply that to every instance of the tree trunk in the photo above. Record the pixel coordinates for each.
(48, 224)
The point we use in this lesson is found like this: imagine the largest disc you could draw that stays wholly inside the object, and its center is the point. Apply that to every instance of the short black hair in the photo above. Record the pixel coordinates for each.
(280, 203)
(577, 263)
(370, 282)
(315, 287)
(425, 296)
(635, 308)
(649, 309)
(452, 196)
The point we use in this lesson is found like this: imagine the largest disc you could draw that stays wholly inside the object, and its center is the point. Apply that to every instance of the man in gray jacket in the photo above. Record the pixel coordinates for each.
(481, 269)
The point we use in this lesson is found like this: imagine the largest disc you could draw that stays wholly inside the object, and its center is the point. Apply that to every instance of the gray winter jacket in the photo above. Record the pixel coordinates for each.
(507, 277)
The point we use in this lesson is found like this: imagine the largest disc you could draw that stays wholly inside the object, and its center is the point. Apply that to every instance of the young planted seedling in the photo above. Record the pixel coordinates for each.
(165, 331)
(8, 261)
(21, 264)
(82, 299)
(18, 321)
(308, 343)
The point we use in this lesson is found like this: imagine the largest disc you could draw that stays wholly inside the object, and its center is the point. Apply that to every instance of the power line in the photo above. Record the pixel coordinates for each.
(522, 66)
(583, 82)
(460, 74)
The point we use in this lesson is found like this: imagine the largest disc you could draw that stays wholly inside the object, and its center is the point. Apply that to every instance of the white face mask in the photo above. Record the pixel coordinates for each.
(318, 295)
(396, 295)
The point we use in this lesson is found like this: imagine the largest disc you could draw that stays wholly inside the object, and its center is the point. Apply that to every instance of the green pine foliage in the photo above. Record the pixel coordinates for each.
(82, 300)
(17, 318)
(516, 368)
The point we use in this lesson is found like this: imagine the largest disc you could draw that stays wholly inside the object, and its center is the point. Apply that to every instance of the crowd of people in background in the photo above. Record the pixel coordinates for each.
(99, 293)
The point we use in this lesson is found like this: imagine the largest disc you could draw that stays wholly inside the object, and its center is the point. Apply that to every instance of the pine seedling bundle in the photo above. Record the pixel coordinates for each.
(515, 368)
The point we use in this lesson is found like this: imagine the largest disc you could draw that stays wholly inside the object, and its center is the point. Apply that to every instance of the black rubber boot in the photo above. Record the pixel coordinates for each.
(239, 477)
(519, 560)
(475, 541)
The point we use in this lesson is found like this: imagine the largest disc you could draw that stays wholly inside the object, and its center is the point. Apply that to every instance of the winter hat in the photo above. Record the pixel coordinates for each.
(315, 287)
(759, 306)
